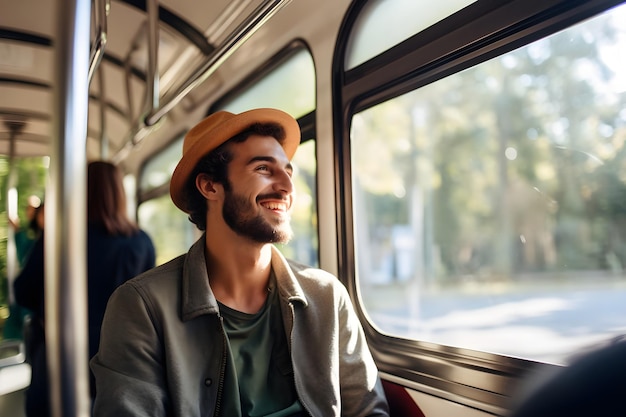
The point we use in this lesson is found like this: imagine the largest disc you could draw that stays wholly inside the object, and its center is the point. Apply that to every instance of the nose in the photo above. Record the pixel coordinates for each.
(284, 182)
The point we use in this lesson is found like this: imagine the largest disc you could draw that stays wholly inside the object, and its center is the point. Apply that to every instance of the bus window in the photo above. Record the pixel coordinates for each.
(304, 245)
(169, 228)
(489, 205)
(158, 170)
(29, 179)
(383, 24)
(290, 86)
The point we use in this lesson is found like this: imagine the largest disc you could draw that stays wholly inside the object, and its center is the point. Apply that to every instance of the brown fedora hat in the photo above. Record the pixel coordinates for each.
(216, 129)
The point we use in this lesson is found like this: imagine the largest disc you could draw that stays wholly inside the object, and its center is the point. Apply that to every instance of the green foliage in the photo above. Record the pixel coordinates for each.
(30, 179)
(515, 165)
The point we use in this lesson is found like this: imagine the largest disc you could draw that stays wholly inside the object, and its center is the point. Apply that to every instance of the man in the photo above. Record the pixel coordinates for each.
(232, 328)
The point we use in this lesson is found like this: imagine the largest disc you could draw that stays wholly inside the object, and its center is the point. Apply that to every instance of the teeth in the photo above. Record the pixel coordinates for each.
(275, 206)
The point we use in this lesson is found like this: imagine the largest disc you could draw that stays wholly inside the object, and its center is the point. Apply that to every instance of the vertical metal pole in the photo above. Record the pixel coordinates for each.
(65, 221)
(11, 201)
(104, 137)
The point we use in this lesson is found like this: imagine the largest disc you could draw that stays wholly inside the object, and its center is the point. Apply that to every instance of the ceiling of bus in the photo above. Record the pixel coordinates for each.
(189, 31)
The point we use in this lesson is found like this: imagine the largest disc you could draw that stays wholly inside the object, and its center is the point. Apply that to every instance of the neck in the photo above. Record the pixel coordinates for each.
(239, 272)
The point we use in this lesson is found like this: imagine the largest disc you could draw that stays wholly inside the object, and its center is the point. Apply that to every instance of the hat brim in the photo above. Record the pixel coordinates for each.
(208, 135)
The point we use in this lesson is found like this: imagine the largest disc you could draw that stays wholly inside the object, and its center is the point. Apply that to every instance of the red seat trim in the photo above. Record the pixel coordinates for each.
(400, 402)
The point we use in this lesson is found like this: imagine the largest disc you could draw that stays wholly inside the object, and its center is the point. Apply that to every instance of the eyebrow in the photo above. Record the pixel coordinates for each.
(268, 159)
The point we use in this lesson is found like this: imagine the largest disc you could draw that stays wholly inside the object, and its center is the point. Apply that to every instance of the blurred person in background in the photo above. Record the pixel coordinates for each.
(593, 384)
(25, 238)
(117, 250)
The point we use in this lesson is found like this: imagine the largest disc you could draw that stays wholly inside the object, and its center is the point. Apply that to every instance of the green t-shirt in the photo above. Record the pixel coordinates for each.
(259, 352)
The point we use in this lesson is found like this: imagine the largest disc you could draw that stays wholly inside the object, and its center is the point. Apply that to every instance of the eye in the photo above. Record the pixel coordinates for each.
(262, 168)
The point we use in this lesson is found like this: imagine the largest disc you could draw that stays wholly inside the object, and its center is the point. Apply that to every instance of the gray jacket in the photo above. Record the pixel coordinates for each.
(163, 348)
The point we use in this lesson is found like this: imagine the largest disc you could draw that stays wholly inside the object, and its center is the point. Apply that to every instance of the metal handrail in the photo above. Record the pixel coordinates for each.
(242, 33)
(264, 12)
(152, 77)
(101, 11)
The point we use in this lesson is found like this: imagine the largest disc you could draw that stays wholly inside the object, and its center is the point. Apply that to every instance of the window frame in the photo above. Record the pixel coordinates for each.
(481, 31)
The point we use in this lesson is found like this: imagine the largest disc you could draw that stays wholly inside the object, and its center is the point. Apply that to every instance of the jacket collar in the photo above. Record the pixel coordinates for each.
(197, 296)
(288, 286)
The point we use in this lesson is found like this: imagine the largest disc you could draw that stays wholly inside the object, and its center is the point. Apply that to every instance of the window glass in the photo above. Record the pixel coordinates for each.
(170, 229)
(159, 169)
(304, 244)
(490, 206)
(383, 24)
(28, 184)
(291, 88)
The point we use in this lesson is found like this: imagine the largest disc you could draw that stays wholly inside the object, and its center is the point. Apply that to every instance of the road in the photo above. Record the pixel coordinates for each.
(540, 323)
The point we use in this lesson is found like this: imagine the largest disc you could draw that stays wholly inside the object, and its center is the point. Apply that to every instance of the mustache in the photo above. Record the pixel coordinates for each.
(271, 196)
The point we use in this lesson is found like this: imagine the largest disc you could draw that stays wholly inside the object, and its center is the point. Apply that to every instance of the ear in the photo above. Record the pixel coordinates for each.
(207, 187)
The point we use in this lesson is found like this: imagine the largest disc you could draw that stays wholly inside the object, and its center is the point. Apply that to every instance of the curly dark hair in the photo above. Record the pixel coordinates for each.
(215, 165)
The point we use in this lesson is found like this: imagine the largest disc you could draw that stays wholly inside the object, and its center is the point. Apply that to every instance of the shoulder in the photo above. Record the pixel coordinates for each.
(141, 234)
(145, 241)
(140, 237)
(157, 290)
(591, 385)
(160, 275)
(139, 240)
(307, 272)
(318, 284)
(98, 236)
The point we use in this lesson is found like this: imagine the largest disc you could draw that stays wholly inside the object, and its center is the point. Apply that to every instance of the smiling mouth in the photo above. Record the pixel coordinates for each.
(275, 206)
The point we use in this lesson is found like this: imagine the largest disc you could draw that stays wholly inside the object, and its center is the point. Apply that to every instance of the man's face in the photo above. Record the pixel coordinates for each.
(259, 195)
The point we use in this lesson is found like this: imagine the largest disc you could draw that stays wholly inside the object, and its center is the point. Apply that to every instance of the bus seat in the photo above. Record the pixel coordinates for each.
(400, 402)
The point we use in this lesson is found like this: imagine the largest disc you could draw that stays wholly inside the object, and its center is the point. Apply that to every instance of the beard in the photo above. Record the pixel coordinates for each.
(239, 214)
